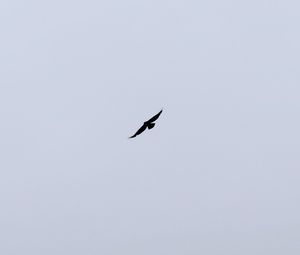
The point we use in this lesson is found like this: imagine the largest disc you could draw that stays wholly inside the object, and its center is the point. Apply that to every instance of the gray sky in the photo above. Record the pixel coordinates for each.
(218, 175)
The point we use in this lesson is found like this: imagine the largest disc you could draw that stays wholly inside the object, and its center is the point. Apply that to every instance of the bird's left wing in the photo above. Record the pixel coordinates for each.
(141, 130)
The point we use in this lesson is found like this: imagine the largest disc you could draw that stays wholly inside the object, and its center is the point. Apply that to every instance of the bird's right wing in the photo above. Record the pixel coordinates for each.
(141, 130)
(155, 117)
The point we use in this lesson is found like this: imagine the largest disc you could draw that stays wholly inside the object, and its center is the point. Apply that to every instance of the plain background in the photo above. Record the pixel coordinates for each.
(220, 172)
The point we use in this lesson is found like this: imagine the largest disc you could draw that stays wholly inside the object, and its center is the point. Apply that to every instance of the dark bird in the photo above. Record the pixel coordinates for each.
(148, 124)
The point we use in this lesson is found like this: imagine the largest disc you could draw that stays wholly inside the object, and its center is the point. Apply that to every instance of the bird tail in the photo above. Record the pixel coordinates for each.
(151, 125)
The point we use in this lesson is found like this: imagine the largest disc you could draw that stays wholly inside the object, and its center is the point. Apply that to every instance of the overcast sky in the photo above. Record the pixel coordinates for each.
(218, 175)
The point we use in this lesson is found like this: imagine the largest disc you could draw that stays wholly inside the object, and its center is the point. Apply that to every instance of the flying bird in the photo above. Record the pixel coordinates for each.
(148, 124)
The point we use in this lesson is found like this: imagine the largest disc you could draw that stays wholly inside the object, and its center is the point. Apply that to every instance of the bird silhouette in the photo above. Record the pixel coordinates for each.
(148, 124)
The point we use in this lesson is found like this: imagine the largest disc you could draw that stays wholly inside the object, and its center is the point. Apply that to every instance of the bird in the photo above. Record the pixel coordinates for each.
(148, 124)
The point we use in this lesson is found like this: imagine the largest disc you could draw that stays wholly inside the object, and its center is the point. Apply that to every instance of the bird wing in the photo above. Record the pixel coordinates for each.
(154, 118)
(141, 130)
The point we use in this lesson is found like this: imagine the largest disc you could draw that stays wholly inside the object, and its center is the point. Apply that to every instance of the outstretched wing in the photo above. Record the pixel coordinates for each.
(154, 118)
(141, 130)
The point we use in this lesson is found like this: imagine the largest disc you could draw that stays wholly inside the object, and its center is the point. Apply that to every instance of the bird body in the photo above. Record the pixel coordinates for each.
(148, 124)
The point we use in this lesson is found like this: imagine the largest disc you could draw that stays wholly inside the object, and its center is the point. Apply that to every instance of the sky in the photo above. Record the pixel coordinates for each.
(218, 175)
